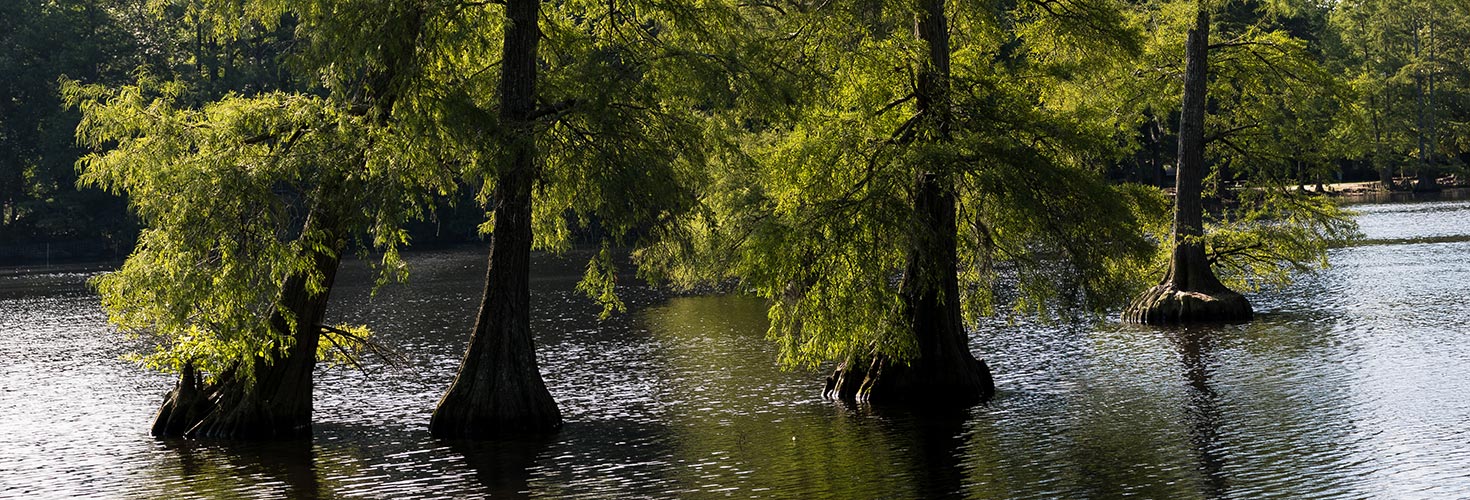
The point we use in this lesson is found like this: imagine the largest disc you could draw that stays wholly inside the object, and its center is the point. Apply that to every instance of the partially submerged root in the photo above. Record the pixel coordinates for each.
(1163, 304)
(276, 406)
(183, 407)
(961, 382)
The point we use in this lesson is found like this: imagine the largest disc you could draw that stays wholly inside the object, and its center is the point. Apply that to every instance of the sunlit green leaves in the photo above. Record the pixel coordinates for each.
(1272, 235)
(214, 189)
(816, 214)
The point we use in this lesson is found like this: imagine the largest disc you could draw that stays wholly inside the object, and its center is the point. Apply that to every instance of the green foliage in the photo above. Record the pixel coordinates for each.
(1410, 87)
(405, 109)
(224, 192)
(770, 147)
(1275, 234)
(1277, 118)
(816, 214)
(600, 283)
(204, 279)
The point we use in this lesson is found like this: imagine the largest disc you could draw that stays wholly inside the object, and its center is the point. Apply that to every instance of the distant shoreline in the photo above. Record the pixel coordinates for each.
(69, 267)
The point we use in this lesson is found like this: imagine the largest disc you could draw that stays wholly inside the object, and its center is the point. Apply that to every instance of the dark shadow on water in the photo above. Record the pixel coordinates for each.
(938, 439)
(211, 468)
(503, 466)
(1202, 411)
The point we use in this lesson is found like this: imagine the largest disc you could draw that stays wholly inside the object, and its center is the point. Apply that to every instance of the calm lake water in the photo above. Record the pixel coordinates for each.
(1354, 383)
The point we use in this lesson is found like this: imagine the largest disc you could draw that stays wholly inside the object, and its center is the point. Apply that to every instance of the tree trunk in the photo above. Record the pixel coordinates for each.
(1425, 180)
(499, 390)
(1380, 158)
(1190, 292)
(1155, 141)
(944, 372)
(278, 404)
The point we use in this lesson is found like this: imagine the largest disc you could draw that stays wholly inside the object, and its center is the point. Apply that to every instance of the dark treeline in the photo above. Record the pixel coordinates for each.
(44, 215)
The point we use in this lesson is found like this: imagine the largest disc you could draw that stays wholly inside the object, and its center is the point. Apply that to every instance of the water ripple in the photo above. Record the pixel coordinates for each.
(1352, 383)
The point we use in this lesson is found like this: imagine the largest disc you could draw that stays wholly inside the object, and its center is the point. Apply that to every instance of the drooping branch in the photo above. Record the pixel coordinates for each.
(553, 110)
(339, 338)
(1228, 132)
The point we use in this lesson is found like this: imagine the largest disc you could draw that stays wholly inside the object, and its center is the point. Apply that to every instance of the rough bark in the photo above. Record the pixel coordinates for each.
(944, 372)
(1190, 292)
(277, 404)
(499, 390)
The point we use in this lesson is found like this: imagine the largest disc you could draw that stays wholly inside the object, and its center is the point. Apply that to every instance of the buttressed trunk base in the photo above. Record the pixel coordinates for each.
(1191, 292)
(957, 382)
(1164, 304)
(278, 404)
(499, 390)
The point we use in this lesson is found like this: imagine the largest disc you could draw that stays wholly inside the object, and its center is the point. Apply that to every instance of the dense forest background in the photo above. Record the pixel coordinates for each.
(44, 215)
(1389, 101)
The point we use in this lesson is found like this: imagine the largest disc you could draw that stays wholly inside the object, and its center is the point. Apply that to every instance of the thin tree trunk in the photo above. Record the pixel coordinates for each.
(1380, 163)
(499, 390)
(1423, 103)
(1155, 141)
(944, 371)
(1190, 292)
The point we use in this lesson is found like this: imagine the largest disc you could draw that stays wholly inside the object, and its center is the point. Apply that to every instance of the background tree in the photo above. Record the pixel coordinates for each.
(1272, 109)
(1409, 91)
(40, 42)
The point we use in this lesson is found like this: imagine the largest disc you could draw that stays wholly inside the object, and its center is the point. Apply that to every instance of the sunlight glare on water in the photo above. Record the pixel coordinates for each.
(1351, 383)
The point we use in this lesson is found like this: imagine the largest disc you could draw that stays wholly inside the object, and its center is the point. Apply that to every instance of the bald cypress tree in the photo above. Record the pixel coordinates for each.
(1264, 118)
(914, 178)
(249, 201)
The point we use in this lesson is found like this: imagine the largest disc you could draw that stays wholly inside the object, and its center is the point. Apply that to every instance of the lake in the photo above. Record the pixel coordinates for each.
(1352, 383)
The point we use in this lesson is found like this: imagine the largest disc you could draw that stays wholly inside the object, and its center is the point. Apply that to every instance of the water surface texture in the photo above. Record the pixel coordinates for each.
(1353, 383)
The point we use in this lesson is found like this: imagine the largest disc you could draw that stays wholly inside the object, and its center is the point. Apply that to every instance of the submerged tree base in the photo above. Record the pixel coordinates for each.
(225, 410)
(474, 414)
(1163, 304)
(960, 382)
(183, 407)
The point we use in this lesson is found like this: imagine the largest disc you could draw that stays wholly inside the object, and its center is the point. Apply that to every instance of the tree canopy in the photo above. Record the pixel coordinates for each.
(863, 165)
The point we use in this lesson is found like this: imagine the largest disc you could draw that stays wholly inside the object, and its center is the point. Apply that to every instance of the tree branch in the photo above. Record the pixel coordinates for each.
(554, 110)
(1226, 133)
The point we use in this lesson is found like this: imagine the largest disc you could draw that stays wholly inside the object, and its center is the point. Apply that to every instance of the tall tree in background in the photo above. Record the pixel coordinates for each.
(1268, 111)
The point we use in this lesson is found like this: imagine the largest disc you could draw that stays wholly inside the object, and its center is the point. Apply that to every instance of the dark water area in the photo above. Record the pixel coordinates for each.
(1353, 383)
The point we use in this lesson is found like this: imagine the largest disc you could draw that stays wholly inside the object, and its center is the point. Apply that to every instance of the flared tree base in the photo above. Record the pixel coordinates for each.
(469, 414)
(1164, 305)
(958, 383)
(1427, 185)
(183, 408)
(225, 412)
